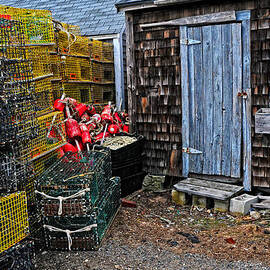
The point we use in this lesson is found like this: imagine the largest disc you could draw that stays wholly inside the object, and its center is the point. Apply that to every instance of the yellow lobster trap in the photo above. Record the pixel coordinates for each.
(71, 44)
(102, 93)
(55, 65)
(57, 89)
(80, 91)
(51, 134)
(40, 60)
(76, 69)
(37, 25)
(102, 72)
(14, 219)
(101, 51)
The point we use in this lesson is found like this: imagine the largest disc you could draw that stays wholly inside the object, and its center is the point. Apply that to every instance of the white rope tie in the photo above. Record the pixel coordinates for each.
(68, 232)
(61, 199)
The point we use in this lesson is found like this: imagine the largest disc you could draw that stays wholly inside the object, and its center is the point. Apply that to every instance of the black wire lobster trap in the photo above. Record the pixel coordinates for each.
(73, 185)
(19, 257)
(13, 173)
(84, 232)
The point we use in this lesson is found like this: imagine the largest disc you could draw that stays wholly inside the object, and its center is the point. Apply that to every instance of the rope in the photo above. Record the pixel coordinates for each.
(61, 199)
(68, 232)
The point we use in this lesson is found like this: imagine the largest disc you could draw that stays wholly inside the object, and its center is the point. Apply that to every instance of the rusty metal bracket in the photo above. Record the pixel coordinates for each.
(189, 42)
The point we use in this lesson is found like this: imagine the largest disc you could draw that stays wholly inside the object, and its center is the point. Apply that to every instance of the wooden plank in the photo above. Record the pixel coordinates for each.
(208, 99)
(185, 100)
(211, 184)
(194, 20)
(119, 72)
(247, 151)
(191, 97)
(227, 99)
(217, 93)
(236, 110)
(130, 70)
(199, 96)
(203, 191)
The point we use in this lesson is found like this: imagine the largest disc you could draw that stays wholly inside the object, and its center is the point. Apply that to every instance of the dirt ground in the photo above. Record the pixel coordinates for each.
(158, 234)
(192, 230)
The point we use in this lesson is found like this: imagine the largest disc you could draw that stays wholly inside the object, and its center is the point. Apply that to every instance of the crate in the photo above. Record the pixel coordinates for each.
(37, 25)
(132, 183)
(101, 51)
(98, 223)
(102, 93)
(128, 169)
(14, 219)
(86, 177)
(102, 72)
(42, 144)
(19, 257)
(76, 69)
(79, 91)
(72, 44)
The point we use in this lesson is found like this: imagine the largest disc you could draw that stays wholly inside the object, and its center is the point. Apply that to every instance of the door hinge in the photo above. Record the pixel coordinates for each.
(189, 41)
(190, 150)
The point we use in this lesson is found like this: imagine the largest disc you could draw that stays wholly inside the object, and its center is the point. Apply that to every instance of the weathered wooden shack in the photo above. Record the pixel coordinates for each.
(198, 71)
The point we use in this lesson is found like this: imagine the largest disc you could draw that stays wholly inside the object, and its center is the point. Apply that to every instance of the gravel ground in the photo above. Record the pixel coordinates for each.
(114, 255)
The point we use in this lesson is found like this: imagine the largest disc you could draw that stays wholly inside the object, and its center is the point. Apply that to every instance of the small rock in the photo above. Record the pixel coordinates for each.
(255, 215)
(264, 222)
(172, 243)
(117, 266)
(267, 231)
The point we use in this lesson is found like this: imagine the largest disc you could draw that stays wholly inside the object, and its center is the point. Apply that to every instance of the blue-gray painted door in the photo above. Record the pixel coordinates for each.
(211, 77)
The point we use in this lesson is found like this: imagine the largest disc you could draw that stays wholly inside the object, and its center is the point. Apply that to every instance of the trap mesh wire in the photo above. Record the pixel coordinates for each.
(101, 51)
(102, 72)
(56, 65)
(49, 136)
(19, 257)
(14, 219)
(102, 215)
(17, 115)
(72, 44)
(88, 172)
(102, 93)
(12, 173)
(76, 69)
(37, 25)
(57, 89)
(80, 91)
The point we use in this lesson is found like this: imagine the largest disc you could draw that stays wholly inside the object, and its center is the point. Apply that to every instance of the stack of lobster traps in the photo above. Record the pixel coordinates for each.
(81, 68)
(79, 199)
(30, 132)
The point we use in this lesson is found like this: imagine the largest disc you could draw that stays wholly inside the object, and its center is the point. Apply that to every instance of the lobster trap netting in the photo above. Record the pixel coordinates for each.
(79, 91)
(87, 231)
(51, 134)
(19, 257)
(13, 173)
(101, 51)
(80, 179)
(102, 72)
(72, 44)
(14, 219)
(57, 89)
(102, 93)
(37, 25)
(76, 69)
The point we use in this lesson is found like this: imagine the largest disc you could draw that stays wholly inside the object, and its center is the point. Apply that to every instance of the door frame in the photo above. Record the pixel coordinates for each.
(244, 18)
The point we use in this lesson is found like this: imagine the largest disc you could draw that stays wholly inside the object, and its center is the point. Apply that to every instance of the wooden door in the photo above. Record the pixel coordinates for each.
(211, 78)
